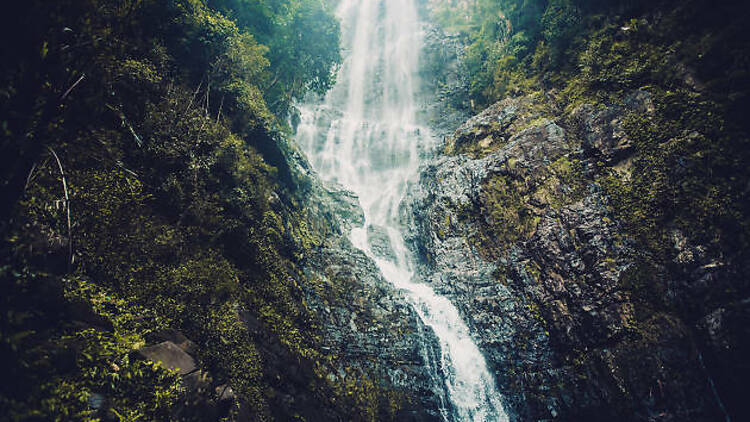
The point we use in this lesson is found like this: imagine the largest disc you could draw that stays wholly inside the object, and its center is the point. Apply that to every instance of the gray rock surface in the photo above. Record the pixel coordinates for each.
(519, 236)
(375, 338)
(170, 356)
(372, 329)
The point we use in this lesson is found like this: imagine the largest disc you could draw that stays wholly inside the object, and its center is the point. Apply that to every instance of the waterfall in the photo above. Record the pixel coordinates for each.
(366, 136)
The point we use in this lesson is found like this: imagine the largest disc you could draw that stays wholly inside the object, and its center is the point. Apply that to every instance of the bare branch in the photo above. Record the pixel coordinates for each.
(29, 177)
(67, 206)
(72, 87)
(195, 94)
(218, 116)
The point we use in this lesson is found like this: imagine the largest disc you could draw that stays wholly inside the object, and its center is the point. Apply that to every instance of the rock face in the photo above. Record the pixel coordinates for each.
(517, 232)
(379, 349)
(443, 74)
(373, 331)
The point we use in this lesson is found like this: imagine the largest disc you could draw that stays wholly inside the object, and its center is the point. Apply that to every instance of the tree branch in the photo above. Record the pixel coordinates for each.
(67, 206)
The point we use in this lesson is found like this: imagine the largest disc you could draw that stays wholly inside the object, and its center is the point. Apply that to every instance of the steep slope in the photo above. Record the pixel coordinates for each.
(166, 255)
(531, 252)
(367, 135)
(592, 226)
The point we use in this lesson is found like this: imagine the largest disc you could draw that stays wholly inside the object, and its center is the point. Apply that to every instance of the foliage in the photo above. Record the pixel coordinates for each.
(689, 151)
(667, 84)
(516, 42)
(504, 207)
(497, 34)
(681, 196)
(560, 23)
(64, 369)
(181, 215)
(303, 37)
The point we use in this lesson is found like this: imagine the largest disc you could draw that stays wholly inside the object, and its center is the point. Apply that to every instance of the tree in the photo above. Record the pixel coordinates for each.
(303, 41)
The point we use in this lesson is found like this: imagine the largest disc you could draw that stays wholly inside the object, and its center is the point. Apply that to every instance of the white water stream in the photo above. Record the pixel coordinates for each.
(366, 136)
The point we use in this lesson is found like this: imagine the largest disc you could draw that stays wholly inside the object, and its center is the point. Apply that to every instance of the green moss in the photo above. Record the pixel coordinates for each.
(686, 170)
(531, 110)
(89, 360)
(679, 199)
(533, 270)
(506, 216)
(565, 183)
(680, 150)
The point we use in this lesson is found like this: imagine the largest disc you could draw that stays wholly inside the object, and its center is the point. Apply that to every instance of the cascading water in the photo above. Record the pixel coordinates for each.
(366, 136)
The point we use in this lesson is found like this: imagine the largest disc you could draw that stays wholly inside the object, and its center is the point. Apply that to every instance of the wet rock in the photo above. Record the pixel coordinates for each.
(380, 243)
(726, 335)
(602, 132)
(495, 126)
(529, 251)
(442, 72)
(372, 329)
(367, 334)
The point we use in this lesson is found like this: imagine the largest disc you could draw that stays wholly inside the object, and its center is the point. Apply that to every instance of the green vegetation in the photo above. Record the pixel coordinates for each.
(519, 46)
(144, 187)
(691, 151)
(676, 77)
(300, 35)
(510, 218)
(510, 206)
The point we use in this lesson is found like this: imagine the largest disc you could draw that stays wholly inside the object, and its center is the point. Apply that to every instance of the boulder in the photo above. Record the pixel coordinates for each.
(176, 337)
(170, 356)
